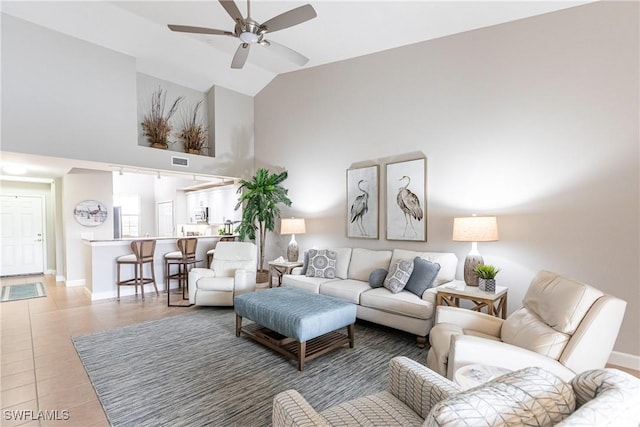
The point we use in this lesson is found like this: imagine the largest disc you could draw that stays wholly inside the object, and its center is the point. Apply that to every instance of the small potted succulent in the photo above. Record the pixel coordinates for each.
(193, 134)
(486, 277)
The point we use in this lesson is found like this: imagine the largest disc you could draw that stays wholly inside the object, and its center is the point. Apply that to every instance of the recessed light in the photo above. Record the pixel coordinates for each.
(14, 169)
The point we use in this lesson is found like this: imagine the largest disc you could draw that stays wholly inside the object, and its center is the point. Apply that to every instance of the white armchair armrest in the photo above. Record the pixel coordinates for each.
(467, 350)
(291, 409)
(296, 271)
(245, 281)
(468, 319)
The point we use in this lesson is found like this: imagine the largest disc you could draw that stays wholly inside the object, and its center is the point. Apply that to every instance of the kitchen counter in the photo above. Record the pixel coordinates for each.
(101, 263)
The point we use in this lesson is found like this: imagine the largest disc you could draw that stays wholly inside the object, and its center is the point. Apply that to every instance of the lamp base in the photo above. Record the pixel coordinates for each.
(470, 262)
(292, 251)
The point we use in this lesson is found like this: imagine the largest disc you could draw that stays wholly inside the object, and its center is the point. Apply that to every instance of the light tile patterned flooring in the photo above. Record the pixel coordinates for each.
(40, 368)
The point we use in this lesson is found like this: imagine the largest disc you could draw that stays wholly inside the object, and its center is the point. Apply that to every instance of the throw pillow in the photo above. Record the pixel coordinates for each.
(305, 263)
(423, 275)
(376, 278)
(398, 276)
(322, 263)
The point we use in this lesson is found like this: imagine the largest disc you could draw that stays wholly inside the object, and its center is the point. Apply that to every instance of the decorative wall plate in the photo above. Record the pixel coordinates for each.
(90, 213)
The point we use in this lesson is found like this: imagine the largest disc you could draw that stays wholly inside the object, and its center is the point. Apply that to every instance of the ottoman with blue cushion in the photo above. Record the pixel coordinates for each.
(298, 324)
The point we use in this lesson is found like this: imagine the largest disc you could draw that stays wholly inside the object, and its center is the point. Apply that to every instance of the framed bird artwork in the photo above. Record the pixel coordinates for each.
(407, 200)
(363, 202)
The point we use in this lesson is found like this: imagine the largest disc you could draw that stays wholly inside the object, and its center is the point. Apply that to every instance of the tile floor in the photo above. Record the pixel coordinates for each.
(40, 369)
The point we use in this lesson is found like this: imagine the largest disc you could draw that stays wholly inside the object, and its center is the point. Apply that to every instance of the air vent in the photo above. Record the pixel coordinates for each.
(179, 161)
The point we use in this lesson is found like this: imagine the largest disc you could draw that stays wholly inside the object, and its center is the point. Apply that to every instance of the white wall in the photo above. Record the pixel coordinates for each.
(68, 98)
(535, 121)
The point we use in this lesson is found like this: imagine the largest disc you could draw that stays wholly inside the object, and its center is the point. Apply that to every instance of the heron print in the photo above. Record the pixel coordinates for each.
(406, 200)
(362, 202)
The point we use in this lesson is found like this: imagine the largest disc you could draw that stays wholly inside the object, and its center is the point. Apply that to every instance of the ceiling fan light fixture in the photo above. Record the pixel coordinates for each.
(248, 37)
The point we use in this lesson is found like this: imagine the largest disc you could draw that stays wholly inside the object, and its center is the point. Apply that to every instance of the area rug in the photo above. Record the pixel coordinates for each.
(191, 370)
(23, 291)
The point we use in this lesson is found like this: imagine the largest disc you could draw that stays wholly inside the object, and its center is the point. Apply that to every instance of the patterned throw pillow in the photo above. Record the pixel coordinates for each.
(322, 263)
(528, 397)
(424, 273)
(398, 276)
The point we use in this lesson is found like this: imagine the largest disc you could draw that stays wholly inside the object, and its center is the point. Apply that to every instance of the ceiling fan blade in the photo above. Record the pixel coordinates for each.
(232, 10)
(199, 30)
(289, 19)
(240, 56)
(286, 52)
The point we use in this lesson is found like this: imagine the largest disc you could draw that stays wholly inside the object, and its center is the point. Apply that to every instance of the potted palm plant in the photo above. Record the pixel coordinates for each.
(260, 198)
(486, 277)
(193, 134)
(157, 125)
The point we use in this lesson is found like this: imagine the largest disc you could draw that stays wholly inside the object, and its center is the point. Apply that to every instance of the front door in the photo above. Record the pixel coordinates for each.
(22, 235)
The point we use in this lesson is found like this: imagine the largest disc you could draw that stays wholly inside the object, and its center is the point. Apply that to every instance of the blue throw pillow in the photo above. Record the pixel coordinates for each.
(423, 275)
(305, 263)
(376, 278)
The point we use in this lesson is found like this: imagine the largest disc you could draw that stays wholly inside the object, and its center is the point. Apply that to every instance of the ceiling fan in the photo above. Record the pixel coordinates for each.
(251, 32)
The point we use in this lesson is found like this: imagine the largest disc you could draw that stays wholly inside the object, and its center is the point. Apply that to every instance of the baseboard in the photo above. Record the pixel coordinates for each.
(49, 272)
(625, 360)
(60, 278)
(75, 283)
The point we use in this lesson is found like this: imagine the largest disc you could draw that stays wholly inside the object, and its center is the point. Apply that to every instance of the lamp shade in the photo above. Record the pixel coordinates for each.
(475, 229)
(292, 226)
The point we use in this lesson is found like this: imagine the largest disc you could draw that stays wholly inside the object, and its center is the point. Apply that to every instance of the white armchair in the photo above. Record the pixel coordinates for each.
(565, 327)
(232, 272)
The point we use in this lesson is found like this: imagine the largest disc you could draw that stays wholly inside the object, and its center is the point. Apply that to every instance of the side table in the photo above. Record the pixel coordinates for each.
(278, 269)
(496, 303)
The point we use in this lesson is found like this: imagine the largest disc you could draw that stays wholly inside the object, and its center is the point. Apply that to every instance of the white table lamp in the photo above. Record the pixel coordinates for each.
(292, 226)
(474, 229)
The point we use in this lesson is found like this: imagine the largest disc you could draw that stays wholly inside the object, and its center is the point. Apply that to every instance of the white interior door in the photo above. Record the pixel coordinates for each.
(165, 219)
(22, 235)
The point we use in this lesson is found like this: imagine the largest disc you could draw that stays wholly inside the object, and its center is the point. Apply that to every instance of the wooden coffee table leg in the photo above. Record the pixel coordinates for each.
(351, 334)
(302, 351)
(238, 324)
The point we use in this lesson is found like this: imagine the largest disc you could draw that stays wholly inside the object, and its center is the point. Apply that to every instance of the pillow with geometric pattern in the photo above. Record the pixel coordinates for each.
(398, 276)
(322, 263)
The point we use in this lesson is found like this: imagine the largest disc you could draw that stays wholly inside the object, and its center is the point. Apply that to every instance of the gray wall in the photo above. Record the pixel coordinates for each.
(534, 121)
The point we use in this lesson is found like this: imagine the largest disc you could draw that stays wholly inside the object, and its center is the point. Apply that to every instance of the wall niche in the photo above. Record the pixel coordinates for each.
(194, 107)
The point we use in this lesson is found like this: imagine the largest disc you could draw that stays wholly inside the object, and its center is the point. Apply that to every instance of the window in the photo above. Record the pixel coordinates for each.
(129, 214)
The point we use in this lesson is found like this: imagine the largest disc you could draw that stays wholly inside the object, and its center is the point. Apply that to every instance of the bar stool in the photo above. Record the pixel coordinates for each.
(210, 253)
(182, 258)
(143, 251)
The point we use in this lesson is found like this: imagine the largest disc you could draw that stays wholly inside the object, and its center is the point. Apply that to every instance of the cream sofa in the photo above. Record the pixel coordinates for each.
(404, 311)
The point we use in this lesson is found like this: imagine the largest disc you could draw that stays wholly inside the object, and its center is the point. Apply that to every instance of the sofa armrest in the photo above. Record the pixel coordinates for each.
(244, 281)
(417, 386)
(296, 271)
(291, 409)
(468, 319)
(467, 350)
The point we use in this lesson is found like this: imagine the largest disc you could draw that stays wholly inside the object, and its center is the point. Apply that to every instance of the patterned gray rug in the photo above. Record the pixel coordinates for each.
(191, 370)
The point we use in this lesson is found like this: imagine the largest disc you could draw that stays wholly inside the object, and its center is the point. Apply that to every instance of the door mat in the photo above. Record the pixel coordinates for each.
(24, 291)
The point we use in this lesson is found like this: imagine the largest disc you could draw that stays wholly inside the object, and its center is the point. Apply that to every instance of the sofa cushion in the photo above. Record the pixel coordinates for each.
(560, 302)
(531, 397)
(403, 303)
(364, 261)
(311, 284)
(376, 278)
(342, 262)
(524, 329)
(346, 290)
(448, 263)
(399, 273)
(322, 263)
(423, 275)
(376, 409)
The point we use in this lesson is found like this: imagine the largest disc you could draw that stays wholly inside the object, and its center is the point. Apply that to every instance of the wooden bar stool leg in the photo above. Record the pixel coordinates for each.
(118, 276)
(153, 277)
(140, 278)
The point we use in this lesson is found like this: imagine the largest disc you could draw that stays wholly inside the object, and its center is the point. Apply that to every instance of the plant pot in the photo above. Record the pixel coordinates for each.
(262, 276)
(159, 146)
(487, 285)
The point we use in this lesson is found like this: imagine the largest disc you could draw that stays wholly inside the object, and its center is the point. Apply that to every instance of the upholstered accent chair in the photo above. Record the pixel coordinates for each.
(232, 272)
(564, 326)
(417, 396)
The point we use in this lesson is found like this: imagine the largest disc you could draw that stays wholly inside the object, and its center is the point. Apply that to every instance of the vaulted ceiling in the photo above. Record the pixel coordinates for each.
(341, 30)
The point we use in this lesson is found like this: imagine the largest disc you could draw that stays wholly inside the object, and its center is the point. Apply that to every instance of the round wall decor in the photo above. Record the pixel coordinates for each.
(90, 213)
